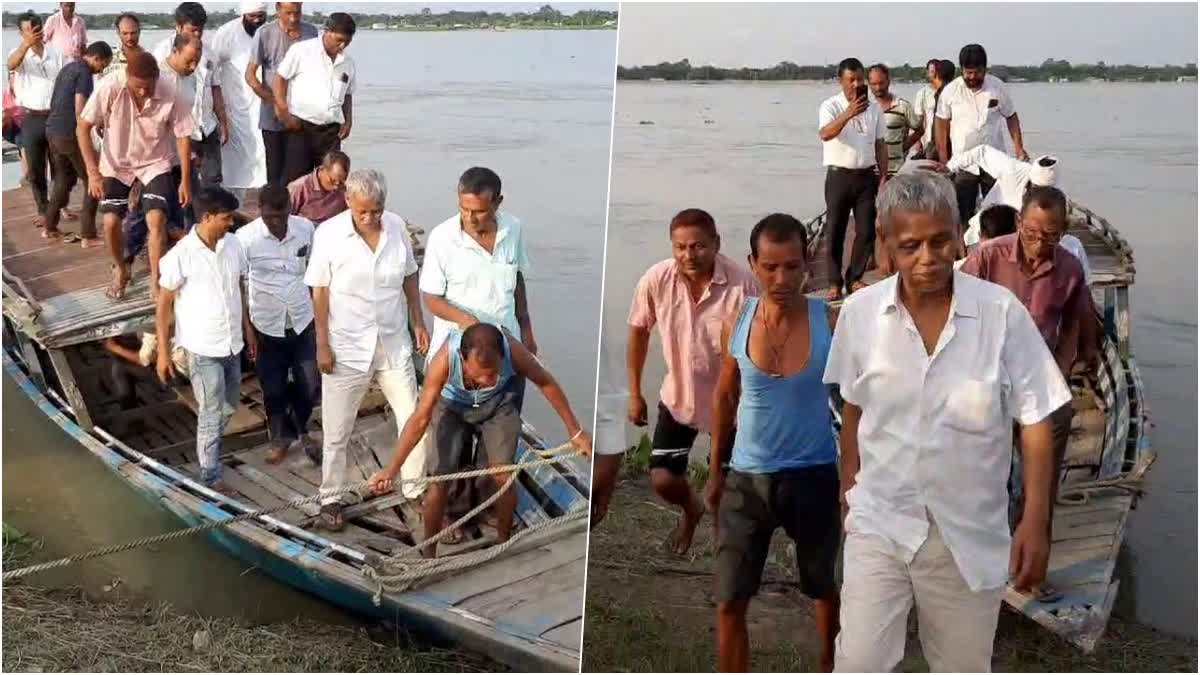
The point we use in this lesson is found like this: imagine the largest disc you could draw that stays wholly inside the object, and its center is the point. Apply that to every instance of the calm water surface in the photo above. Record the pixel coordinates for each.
(743, 150)
(534, 106)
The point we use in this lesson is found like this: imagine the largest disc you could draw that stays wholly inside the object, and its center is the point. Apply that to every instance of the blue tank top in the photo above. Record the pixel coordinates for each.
(455, 389)
(782, 422)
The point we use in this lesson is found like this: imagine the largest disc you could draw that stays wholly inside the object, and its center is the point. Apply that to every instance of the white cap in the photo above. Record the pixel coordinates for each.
(1045, 171)
(247, 7)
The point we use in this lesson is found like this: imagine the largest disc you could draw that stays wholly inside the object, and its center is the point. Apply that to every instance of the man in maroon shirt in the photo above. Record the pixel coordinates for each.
(1049, 281)
(321, 194)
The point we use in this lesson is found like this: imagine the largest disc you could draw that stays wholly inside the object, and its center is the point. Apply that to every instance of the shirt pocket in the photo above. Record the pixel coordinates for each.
(973, 406)
(341, 84)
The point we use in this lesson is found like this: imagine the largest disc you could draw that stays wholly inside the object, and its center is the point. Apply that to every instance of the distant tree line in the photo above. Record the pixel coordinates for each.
(426, 19)
(1049, 70)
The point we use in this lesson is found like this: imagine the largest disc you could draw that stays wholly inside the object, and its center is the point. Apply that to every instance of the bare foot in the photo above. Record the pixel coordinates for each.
(275, 454)
(51, 234)
(68, 214)
(833, 294)
(91, 242)
(681, 537)
(39, 221)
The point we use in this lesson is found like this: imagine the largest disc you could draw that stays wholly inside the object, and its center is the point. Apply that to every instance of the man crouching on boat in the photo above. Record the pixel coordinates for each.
(470, 390)
(934, 365)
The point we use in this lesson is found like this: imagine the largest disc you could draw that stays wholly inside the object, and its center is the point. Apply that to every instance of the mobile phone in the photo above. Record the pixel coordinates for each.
(860, 91)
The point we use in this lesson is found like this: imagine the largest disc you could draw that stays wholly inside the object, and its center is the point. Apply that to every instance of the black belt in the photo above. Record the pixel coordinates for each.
(842, 169)
(37, 113)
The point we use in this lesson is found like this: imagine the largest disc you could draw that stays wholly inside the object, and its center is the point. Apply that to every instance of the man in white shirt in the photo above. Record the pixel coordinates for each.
(924, 105)
(34, 65)
(283, 340)
(475, 265)
(200, 292)
(208, 103)
(974, 110)
(933, 366)
(314, 94)
(1012, 180)
(364, 280)
(243, 158)
(852, 132)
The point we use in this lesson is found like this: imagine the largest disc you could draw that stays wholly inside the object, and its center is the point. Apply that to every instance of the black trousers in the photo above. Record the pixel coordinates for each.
(306, 147)
(275, 144)
(289, 407)
(69, 168)
(37, 152)
(209, 165)
(968, 187)
(846, 190)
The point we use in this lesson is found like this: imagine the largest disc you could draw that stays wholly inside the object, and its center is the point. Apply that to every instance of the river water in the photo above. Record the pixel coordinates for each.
(1128, 151)
(534, 106)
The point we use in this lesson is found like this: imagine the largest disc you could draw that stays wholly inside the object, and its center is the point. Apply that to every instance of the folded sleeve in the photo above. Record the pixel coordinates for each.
(170, 270)
(433, 271)
(1037, 384)
(842, 367)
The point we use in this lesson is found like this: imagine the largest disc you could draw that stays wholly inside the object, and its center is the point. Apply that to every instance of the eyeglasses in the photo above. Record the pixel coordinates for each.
(1038, 236)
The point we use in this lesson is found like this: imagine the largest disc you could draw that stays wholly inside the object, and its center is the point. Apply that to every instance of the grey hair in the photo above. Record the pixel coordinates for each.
(367, 183)
(917, 192)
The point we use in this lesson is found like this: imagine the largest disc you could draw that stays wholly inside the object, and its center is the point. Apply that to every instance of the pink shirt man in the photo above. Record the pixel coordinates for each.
(138, 144)
(69, 37)
(691, 332)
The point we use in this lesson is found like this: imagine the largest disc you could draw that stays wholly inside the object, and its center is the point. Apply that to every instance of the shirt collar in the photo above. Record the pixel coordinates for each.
(1016, 256)
(503, 227)
(962, 301)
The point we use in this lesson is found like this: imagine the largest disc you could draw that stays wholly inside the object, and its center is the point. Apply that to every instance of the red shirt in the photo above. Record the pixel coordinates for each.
(311, 201)
(1053, 291)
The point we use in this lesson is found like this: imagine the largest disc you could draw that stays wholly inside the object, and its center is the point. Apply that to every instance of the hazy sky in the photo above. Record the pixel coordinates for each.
(763, 34)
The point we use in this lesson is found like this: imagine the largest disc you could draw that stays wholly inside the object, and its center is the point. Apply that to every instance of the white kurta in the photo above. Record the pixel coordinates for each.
(243, 158)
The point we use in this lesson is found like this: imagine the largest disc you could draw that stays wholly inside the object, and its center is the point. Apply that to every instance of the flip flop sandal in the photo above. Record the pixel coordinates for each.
(52, 235)
(1047, 594)
(454, 538)
(113, 292)
(71, 238)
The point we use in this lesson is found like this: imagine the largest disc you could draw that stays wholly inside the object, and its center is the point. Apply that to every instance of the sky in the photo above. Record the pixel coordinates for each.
(763, 34)
(326, 7)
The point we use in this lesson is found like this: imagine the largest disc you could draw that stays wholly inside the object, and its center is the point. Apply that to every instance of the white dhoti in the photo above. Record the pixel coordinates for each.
(243, 158)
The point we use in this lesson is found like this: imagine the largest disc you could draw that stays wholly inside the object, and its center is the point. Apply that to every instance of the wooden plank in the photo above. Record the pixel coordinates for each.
(258, 497)
(549, 612)
(66, 379)
(569, 635)
(516, 568)
(505, 601)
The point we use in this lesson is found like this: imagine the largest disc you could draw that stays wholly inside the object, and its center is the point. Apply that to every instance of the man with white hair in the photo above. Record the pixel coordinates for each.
(365, 299)
(243, 157)
(1013, 178)
(933, 366)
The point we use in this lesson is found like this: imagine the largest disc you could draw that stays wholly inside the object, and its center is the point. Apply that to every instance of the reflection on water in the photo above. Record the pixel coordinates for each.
(56, 489)
(760, 153)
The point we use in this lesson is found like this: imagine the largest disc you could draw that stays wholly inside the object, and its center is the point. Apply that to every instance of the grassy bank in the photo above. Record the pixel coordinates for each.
(650, 611)
(70, 630)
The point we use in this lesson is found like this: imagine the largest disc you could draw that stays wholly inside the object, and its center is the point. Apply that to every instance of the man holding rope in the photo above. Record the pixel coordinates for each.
(470, 391)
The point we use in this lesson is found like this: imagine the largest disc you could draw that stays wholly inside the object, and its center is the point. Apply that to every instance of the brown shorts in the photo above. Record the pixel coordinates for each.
(495, 422)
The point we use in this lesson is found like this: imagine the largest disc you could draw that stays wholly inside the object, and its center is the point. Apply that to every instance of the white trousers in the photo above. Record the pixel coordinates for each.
(342, 394)
(957, 626)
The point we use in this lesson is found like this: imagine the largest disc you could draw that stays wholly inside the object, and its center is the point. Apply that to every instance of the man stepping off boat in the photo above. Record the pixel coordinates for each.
(1051, 285)
(201, 295)
(853, 135)
(687, 296)
(364, 280)
(474, 270)
(283, 338)
(934, 366)
(147, 123)
(469, 391)
(783, 466)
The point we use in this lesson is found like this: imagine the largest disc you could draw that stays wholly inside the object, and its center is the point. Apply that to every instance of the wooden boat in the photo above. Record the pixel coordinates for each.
(1108, 454)
(523, 608)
